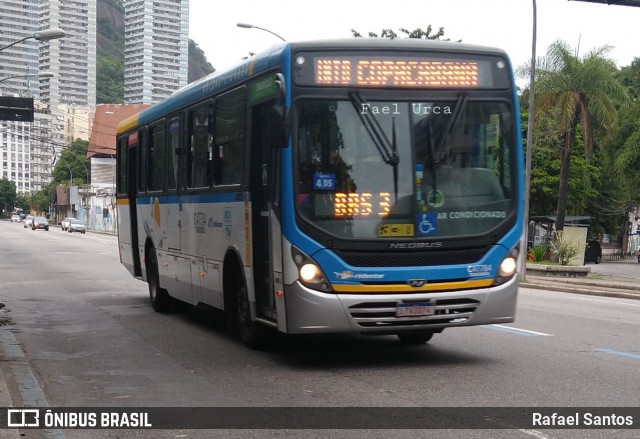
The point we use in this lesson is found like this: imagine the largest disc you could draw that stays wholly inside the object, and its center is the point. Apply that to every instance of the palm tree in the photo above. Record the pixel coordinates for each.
(579, 92)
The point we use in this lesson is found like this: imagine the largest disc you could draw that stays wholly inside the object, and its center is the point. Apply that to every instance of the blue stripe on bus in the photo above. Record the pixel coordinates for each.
(221, 197)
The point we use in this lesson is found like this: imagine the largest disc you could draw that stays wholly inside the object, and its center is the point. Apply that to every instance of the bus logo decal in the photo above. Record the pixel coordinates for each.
(344, 275)
(416, 283)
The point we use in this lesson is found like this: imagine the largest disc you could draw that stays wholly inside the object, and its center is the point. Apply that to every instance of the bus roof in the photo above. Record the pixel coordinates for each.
(272, 57)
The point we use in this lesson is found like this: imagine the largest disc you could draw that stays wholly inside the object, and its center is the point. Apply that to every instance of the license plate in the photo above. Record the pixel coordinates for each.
(415, 309)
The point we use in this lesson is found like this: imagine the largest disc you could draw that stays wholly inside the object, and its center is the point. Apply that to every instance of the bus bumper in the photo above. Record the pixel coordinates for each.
(310, 311)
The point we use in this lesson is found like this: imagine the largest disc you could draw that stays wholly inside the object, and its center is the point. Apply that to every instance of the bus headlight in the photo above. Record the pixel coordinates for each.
(508, 267)
(309, 273)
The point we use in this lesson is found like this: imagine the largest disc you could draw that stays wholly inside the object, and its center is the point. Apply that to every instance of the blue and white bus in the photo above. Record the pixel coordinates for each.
(362, 185)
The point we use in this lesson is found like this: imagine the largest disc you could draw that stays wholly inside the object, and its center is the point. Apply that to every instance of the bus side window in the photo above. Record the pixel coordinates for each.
(229, 137)
(156, 158)
(173, 152)
(122, 165)
(199, 158)
(142, 161)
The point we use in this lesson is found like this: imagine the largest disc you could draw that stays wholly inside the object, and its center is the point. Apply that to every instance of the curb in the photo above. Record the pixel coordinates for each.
(5, 401)
(592, 290)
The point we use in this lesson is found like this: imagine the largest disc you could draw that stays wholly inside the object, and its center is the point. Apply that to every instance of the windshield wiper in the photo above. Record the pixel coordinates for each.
(461, 102)
(388, 150)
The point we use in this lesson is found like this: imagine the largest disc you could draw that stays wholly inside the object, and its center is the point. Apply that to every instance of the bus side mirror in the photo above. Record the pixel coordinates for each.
(279, 116)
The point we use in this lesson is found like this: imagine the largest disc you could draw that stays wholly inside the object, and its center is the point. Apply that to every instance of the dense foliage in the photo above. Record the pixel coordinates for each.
(7, 196)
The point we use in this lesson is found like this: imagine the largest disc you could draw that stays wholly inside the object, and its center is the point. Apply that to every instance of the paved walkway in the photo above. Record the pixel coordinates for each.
(595, 283)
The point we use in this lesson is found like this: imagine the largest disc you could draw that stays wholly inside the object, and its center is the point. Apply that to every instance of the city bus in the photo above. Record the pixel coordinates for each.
(365, 186)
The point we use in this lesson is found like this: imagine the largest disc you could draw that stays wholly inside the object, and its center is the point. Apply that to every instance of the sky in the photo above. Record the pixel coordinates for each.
(506, 24)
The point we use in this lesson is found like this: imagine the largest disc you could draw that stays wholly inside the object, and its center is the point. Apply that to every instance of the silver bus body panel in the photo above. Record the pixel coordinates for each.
(311, 311)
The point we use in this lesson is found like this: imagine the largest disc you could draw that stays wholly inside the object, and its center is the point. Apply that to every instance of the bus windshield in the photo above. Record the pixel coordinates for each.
(389, 169)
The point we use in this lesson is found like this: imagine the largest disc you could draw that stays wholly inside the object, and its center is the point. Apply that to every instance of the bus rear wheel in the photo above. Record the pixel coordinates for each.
(159, 297)
(415, 337)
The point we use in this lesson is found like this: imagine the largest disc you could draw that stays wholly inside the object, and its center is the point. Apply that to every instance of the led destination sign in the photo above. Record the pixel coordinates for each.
(401, 70)
(374, 72)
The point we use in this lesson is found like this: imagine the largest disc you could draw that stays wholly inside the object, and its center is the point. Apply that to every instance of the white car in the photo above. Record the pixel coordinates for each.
(28, 221)
(76, 226)
(65, 223)
(15, 218)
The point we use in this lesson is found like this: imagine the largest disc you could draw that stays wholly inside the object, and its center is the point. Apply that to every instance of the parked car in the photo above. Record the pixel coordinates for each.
(593, 252)
(76, 226)
(65, 223)
(40, 222)
(27, 221)
(15, 218)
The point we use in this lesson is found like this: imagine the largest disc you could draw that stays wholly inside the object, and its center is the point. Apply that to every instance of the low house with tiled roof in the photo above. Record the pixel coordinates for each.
(100, 205)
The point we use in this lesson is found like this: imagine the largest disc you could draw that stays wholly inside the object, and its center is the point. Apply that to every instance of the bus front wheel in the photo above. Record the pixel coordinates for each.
(251, 332)
(415, 337)
(159, 297)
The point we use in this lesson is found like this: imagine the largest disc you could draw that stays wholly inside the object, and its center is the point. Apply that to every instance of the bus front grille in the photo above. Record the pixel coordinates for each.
(383, 314)
(412, 259)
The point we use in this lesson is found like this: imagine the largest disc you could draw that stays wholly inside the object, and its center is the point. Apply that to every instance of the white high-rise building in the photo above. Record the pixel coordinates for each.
(156, 49)
(71, 59)
(28, 148)
(18, 20)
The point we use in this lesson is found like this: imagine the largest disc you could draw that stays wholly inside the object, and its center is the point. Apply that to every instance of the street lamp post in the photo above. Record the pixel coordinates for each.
(251, 26)
(527, 173)
(44, 35)
(70, 171)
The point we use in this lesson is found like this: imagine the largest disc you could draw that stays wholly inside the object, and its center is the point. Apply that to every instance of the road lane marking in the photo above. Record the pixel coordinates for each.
(606, 301)
(619, 353)
(518, 331)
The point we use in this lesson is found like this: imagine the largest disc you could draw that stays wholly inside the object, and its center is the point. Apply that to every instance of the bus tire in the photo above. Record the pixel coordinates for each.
(415, 337)
(251, 332)
(159, 297)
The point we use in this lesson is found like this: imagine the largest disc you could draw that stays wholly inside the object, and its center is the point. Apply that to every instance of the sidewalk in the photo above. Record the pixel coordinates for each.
(595, 284)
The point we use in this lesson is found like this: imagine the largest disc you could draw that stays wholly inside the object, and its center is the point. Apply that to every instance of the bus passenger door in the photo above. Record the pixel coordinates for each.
(264, 186)
(173, 210)
(132, 190)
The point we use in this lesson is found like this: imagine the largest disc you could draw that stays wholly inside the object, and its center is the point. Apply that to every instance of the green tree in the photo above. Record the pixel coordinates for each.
(73, 161)
(7, 195)
(418, 33)
(581, 94)
(624, 154)
(23, 201)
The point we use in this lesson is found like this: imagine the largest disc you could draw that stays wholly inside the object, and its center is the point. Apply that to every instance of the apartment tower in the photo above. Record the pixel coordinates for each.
(156, 49)
(71, 59)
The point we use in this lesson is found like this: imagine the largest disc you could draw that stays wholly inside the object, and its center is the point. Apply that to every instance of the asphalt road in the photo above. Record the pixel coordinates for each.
(77, 331)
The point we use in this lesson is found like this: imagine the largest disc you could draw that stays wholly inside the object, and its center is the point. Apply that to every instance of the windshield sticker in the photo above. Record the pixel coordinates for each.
(435, 198)
(395, 230)
(324, 182)
(473, 214)
(422, 207)
(344, 275)
(427, 224)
